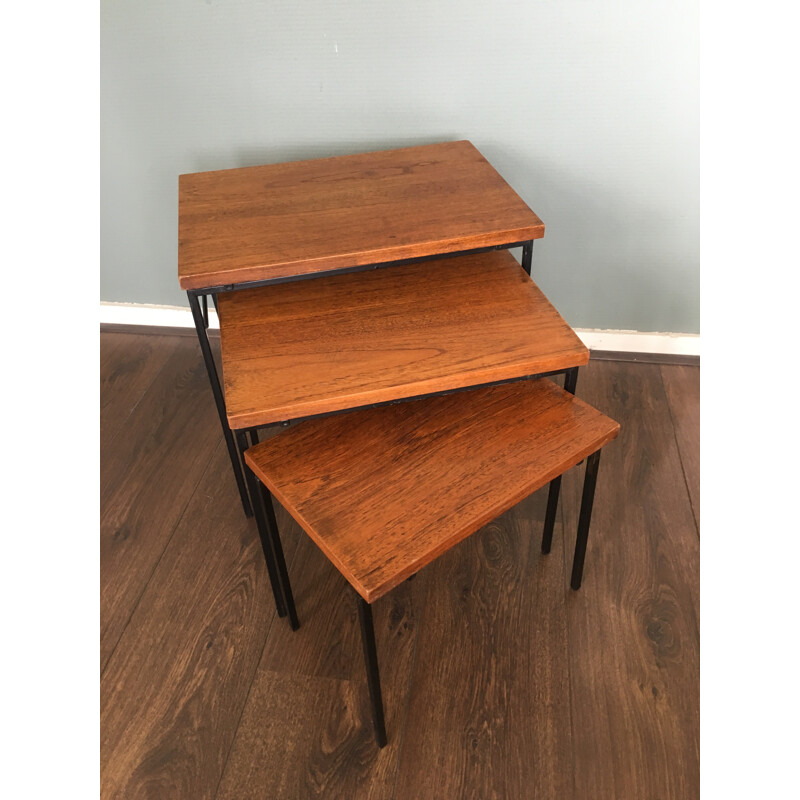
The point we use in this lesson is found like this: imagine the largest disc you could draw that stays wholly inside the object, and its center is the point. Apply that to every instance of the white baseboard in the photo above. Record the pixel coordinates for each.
(158, 316)
(674, 344)
(683, 344)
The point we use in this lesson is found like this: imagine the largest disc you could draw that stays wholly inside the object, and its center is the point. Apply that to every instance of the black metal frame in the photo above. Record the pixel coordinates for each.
(527, 256)
(570, 384)
(219, 398)
(585, 519)
(371, 662)
(270, 539)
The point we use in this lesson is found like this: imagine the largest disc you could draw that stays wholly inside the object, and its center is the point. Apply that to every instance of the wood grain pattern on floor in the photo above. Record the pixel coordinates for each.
(499, 681)
(173, 693)
(489, 709)
(128, 365)
(682, 385)
(633, 626)
(148, 474)
(333, 754)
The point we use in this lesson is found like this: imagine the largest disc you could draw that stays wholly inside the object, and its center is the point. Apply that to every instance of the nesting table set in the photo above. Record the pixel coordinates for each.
(374, 298)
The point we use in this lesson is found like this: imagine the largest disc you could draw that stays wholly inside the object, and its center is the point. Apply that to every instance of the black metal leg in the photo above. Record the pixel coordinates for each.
(587, 500)
(253, 435)
(550, 514)
(570, 383)
(205, 311)
(373, 678)
(571, 380)
(527, 256)
(266, 541)
(199, 324)
(265, 501)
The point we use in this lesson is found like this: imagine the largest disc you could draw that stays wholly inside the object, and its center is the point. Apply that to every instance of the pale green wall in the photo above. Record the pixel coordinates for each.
(588, 108)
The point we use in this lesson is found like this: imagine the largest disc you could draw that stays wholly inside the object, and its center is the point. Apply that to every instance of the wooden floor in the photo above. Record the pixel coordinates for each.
(499, 681)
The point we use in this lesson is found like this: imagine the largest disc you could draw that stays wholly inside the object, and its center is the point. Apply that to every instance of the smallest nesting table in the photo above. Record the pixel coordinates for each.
(384, 491)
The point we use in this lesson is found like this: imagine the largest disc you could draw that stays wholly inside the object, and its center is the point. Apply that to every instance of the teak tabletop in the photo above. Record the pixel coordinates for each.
(281, 220)
(341, 341)
(384, 491)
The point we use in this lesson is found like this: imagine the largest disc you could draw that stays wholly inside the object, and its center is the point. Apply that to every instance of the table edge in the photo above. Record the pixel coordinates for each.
(383, 258)
(319, 407)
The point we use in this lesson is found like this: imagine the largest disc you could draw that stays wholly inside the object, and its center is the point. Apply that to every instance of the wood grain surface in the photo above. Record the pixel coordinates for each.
(128, 365)
(634, 625)
(682, 386)
(150, 470)
(173, 694)
(258, 223)
(384, 491)
(337, 342)
(308, 709)
(499, 680)
(491, 675)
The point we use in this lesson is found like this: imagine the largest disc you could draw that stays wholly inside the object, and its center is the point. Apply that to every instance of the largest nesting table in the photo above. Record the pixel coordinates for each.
(359, 281)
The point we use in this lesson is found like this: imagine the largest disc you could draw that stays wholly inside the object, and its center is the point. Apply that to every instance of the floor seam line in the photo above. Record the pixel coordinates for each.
(244, 705)
(680, 455)
(253, 680)
(407, 702)
(141, 396)
(564, 564)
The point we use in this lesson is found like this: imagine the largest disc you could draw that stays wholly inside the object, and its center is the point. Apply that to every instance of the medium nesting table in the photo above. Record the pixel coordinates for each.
(385, 491)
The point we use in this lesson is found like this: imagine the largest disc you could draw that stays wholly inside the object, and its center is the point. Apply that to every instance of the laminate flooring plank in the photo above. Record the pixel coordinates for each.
(682, 385)
(329, 645)
(110, 344)
(174, 690)
(147, 478)
(129, 363)
(306, 731)
(633, 626)
(121, 353)
(489, 709)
